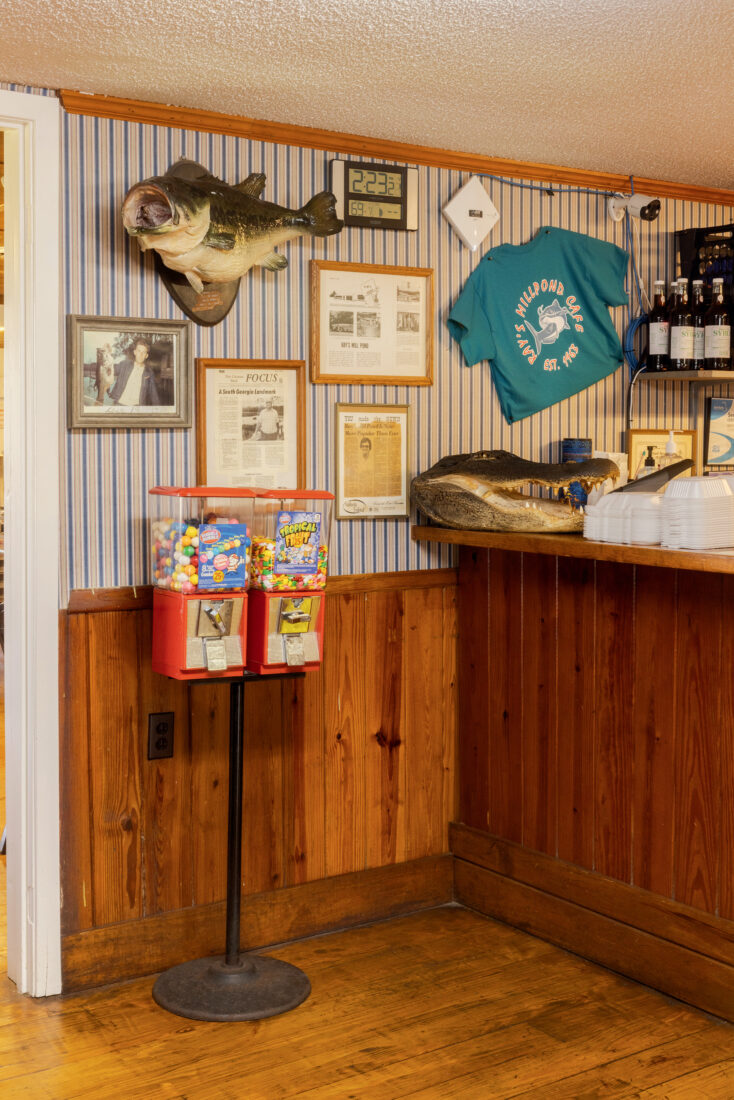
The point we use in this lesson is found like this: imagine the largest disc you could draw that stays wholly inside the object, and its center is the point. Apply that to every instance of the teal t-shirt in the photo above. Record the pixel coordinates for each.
(539, 312)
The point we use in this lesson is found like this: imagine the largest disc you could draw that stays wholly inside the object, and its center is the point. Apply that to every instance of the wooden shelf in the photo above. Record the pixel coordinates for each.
(700, 376)
(576, 546)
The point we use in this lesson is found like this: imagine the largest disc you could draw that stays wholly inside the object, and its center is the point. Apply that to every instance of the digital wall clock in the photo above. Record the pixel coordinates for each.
(375, 196)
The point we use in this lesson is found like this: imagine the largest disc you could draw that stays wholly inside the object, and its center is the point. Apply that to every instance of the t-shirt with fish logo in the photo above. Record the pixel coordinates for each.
(539, 312)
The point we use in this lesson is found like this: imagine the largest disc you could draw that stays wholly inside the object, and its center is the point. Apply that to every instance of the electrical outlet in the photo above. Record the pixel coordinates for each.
(160, 735)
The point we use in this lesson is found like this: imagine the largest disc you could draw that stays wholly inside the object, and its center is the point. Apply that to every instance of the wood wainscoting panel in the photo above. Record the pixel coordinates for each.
(473, 612)
(539, 704)
(654, 730)
(698, 794)
(506, 695)
(348, 768)
(613, 737)
(726, 759)
(385, 706)
(596, 712)
(576, 658)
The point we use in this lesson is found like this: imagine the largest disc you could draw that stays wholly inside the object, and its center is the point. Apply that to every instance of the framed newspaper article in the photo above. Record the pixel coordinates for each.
(250, 423)
(371, 324)
(372, 461)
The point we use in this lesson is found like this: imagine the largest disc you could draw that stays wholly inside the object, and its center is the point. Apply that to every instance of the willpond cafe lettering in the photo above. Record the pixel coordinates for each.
(251, 428)
(551, 320)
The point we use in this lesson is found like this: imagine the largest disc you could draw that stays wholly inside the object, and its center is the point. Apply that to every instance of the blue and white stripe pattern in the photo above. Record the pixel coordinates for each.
(107, 474)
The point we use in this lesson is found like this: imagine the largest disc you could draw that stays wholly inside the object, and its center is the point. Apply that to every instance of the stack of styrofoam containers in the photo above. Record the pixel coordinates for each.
(625, 518)
(697, 514)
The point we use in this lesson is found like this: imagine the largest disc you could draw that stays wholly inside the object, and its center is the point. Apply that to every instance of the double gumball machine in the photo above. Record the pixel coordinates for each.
(239, 578)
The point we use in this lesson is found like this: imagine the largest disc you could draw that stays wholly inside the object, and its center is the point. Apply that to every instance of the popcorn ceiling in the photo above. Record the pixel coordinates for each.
(639, 88)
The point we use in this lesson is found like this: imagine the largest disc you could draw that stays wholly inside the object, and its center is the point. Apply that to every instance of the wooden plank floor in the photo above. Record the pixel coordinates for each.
(443, 1003)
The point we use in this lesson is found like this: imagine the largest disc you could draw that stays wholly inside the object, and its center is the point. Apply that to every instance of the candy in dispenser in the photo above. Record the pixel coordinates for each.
(200, 546)
(287, 579)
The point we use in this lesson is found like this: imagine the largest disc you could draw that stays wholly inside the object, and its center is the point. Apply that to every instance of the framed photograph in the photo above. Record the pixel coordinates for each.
(371, 324)
(649, 443)
(372, 462)
(719, 431)
(128, 372)
(250, 423)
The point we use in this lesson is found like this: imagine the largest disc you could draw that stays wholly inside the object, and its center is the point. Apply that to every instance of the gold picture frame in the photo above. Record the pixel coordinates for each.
(251, 423)
(639, 439)
(372, 448)
(371, 324)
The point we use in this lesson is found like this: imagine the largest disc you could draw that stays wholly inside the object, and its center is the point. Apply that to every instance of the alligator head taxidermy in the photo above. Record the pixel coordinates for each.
(481, 491)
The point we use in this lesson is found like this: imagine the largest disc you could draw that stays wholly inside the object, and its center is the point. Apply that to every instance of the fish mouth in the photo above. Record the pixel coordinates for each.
(146, 209)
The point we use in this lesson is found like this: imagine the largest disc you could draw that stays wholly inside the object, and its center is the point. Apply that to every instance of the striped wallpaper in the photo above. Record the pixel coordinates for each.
(107, 474)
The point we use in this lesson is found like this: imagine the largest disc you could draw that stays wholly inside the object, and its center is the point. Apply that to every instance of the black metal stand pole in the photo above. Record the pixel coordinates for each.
(233, 986)
(234, 820)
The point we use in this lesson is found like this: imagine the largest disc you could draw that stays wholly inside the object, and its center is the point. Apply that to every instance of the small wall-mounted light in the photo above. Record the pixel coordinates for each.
(639, 206)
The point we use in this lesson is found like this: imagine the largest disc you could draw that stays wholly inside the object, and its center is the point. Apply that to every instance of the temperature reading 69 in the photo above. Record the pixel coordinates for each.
(375, 196)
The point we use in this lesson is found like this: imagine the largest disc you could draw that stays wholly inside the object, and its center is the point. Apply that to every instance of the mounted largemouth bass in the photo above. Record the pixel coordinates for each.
(213, 232)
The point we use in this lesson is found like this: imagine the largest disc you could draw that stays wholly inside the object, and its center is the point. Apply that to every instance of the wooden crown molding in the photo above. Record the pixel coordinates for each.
(186, 118)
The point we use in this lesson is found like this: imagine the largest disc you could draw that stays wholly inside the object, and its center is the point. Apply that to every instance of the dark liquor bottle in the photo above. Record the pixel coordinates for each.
(698, 308)
(717, 332)
(681, 330)
(658, 335)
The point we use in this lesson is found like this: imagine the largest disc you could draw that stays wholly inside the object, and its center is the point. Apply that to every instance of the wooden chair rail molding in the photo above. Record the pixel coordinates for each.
(133, 598)
(187, 118)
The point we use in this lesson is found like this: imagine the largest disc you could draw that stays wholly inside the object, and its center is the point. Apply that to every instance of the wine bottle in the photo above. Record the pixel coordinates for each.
(717, 331)
(698, 309)
(658, 331)
(681, 330)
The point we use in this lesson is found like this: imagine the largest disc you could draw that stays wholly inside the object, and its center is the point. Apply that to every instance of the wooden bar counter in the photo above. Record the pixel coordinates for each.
(596, 752)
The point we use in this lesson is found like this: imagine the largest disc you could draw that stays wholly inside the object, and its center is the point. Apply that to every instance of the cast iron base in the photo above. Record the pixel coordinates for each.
(209, 989)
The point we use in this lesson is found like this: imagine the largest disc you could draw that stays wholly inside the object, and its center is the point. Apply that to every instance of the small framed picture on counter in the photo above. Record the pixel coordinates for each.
(719, 434)
(646, 448)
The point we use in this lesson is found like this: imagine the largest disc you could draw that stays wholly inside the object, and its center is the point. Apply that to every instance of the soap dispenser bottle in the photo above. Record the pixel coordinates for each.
(671, 454)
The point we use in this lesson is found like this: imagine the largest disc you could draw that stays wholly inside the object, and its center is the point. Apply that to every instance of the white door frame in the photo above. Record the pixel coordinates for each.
(33, 371)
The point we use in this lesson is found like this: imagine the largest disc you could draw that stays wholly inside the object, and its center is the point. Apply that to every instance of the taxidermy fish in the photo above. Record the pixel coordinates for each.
(213, 232)
(481, 491)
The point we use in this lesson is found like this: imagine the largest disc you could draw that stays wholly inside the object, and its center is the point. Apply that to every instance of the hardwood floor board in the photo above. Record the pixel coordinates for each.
(381, 1049)
(713, 1083)
(493, 1055)
(623, 1078)
(444, 1003)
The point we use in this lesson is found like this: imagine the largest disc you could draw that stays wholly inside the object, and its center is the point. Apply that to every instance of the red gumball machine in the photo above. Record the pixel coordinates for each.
(290, 547)
(200, 547)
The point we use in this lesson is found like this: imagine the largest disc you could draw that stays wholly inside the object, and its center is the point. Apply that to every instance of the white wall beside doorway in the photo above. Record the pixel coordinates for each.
(32, 540)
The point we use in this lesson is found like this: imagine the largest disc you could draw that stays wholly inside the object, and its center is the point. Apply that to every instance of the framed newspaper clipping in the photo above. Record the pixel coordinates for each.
(372, 461)
(250, 423)
(371, 324)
